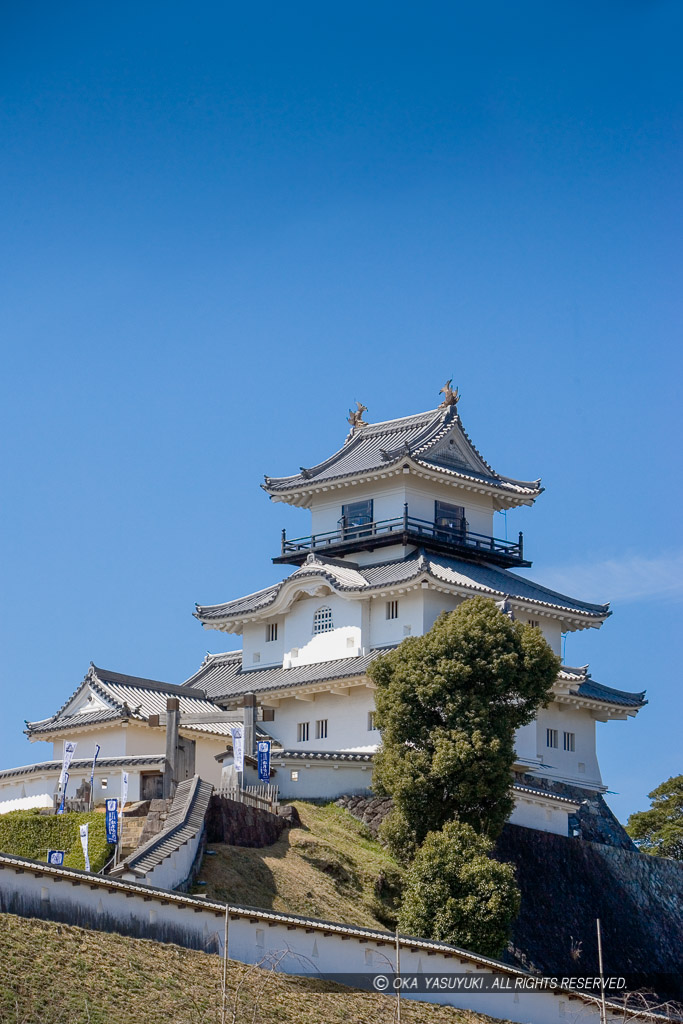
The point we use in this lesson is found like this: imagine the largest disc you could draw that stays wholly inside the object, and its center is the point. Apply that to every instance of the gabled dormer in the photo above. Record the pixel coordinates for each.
(413, 482)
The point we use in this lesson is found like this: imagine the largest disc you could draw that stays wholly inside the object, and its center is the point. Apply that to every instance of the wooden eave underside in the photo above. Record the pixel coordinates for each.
(305, 691)
(570, 620)
(116, 723)
(301, 495)
(602, 710)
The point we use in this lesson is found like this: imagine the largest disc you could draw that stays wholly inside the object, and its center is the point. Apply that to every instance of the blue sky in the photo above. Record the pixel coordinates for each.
(223, 223)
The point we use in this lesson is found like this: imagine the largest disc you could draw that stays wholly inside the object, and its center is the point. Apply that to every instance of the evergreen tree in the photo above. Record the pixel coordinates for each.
(448, 704)
(454, 893)
(660, 830)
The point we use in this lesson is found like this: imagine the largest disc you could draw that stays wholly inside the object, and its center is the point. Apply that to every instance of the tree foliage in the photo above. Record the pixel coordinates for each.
(448, 705)
(660, 830)
(31, 834)
(455, 893)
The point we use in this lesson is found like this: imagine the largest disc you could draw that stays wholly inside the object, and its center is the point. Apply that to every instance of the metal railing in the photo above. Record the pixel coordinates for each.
(264, 797)
(457, 535)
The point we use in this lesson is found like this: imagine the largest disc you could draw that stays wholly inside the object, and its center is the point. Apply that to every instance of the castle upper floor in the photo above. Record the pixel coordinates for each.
(412, 482)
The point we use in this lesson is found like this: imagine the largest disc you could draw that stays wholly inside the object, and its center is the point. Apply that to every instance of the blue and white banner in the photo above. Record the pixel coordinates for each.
(92, 773)
(66, 783)
(238, 748)
(112, 819)
(264, 760)
(124, 790)
(84, 843)
(55, 857)
(69, 751)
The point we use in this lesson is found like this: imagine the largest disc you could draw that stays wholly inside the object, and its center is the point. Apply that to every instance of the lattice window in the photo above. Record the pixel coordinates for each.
(321, 729)
(302, 732)
(322, 620)
(271, 632)
(570, 742)
(551, 738)
(392, 609)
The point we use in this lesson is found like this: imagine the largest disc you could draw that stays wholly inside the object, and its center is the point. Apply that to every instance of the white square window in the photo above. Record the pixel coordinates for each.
(302, 731)
(392, 609)
(271, 632)
(321, 729)
(570, 742)
(294, 776)
(256, 657)
(407, 630)
(551, 738)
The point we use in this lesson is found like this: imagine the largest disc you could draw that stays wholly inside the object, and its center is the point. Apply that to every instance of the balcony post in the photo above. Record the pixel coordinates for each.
(405, 516)
(521, 544)
(282, 542)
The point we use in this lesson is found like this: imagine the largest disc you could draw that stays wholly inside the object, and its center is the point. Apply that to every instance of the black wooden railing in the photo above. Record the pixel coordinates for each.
(456, 535)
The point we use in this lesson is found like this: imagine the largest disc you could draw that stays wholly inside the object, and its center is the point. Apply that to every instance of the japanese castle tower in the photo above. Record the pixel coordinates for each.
(401, 529)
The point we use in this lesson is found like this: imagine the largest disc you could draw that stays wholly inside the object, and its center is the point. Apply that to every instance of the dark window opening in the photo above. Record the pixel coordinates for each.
(355, 515)
(449, 520)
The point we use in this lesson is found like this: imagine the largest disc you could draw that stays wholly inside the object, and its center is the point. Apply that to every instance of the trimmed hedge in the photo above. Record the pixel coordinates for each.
(31, 834)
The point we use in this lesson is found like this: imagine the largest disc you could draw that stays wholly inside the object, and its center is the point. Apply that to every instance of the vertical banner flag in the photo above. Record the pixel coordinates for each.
(124, 790)
(264, 760)
(55, 857)
(84, 844)
(238, 748)
(66, 783)
(92, 773)
(112, 820)
(69, 751)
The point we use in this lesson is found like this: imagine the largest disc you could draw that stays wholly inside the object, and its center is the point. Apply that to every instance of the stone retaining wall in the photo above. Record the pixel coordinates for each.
(228, 821)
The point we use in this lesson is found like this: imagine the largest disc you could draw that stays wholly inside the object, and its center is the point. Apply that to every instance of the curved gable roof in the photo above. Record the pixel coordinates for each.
(433, 440)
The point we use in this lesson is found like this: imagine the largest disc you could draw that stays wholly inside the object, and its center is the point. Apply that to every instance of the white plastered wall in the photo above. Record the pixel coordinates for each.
(302, 647)
(579, 766)
(301, 780)
(540, 815)
(347, 721)
(389, 497)
(256, 649)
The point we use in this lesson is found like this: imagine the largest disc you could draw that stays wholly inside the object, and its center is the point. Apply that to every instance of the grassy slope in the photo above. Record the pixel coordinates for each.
(329, 869)
(31, 834)
(58, 974)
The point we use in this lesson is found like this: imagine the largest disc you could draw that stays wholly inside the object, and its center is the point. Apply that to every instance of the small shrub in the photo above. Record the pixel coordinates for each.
(455, 893)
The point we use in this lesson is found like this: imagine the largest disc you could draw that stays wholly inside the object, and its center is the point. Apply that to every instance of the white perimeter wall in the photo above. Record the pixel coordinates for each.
(300, 946)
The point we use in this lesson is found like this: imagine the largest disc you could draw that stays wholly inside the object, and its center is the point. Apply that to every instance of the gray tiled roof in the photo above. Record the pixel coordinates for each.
(129, 697)
(598, 691)
(584, 686)
(470, 576)
(222, 676)
(81, 764)
(185, 819)
(379, 446)
(545, 793)
(322, 755)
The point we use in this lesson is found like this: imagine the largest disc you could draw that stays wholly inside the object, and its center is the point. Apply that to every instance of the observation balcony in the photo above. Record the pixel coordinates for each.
(454, 540)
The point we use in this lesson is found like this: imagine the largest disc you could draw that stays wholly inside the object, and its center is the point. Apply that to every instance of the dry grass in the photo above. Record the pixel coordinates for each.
(58, 974)
(331, 868)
